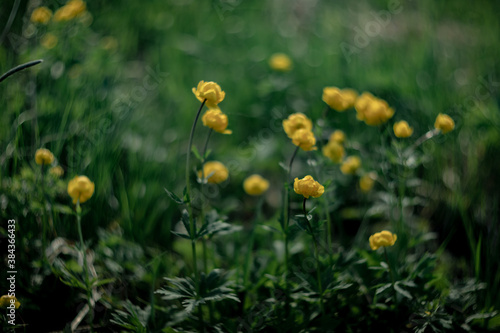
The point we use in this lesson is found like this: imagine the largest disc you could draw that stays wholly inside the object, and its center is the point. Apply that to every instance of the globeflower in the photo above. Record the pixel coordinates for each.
(367, 181)
(339, 100)
(6, 301)
(402, 129)
(70, 10)
(216, 120)
(44, 156)
(41, 15)
(255, 185)
(372, 110)
(350, 165)
(382, 239)
(308, 187)
(338, 136)
(304, 139)
(295, 122)
(209, 91)
(334, 151)
(80, 189)
(444, 123)
(280, 62)
(214, 172)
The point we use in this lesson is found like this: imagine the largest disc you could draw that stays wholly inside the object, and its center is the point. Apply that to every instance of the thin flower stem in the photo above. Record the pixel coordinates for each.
(246, 269)
(390, 272)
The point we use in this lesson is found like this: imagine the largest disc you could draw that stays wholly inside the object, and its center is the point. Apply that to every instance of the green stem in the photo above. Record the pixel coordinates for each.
(85, 267)
(246, 269)
(390, 272)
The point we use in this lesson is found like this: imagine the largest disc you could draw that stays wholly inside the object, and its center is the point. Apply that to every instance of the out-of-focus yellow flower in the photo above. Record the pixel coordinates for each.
(280, 62)
(41, 15)
(215, 172)
(56, 171)
(372, 110)
(216, 120)
(304, 139)
(49, 41)
(382, 239)
(308, 187)
(80, 188)
(295, 122)
(334, 151)
(44, 156)
(350, 165)
(209, 91)
(6, 301)
(338, 136)
(255, 185)
(339, 99)
(70, 10)
(402, 129)
(367, 181)
(444, 123)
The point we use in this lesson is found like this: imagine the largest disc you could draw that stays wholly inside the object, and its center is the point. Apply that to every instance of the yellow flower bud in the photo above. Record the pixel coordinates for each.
(295, 122)
(308, 187)
(214, 172)
(280, 62)
(304, 139)
(381, 239)
(367, 181)
(402, 129)
(6, 301)
(56, 171)
(255, 185)
(49, 41)
(209, 91)
(334, 151)
(373, 111)
(338, 136)
(44, 157)
(216, 120)
(41, 15)
(80, 188)
(350, 165)
(444, 123)
(339, 100)
(72, 9)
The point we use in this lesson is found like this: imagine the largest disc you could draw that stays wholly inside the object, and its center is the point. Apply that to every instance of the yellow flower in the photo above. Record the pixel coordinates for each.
(402, 129)
(372, 110)
(41, 15)
(444, 123)
(367, 181)
(334, 151)
(308, 187)
(381, 239)
(216, 120)
(6, 301)
(56, 171)
(338, 136)
(209, 91)
(44, 156)
(350, 165)
(69, 11)
(280, 62)
(49, 41)
(255, 185)
(80, 188)
(215, 172)
(295, 122)
(339, 100)
(304, 139)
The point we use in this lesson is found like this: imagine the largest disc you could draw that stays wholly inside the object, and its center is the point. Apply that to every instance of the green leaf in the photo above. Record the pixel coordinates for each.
(186, 236)
(402, 291)
(196, 153)
(175, 198)
(185, 221)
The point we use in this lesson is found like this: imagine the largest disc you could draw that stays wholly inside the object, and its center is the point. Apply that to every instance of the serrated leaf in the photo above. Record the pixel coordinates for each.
(174, 197)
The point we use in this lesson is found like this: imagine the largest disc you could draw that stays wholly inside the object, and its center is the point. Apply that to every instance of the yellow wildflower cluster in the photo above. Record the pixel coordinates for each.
(80, 189)
(367, 181)
(350, 165)
(308, 187)
(382, 239)
(255, 185)
(44, 156)
(339, 99)
(70, 10)
(41, 15)
(444, 123)
(210, 92)
(334, 149)
(372, 110)
(6, 301)
(214, 172)
(402, 129)
(216, 120)
(299, 128)
(280, 62)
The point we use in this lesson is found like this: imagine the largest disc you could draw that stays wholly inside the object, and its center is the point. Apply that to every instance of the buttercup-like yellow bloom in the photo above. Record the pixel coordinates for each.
(280, 62)
(308, 187)
(210, 91)
(6, 301)
(338, 136)
(350, 165)
(215, 171)
(367, 181)
(255, 185)
(372, 110)
(402, 129)
(44, 156)
(295, 122)
(304, 139)
(41, 15)
(444, 123)
(382, 239)
(80, 188)
(56, 171)
(49, 41)
(334, 151)
(216, 120)
(339, 100)
(70, 10)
